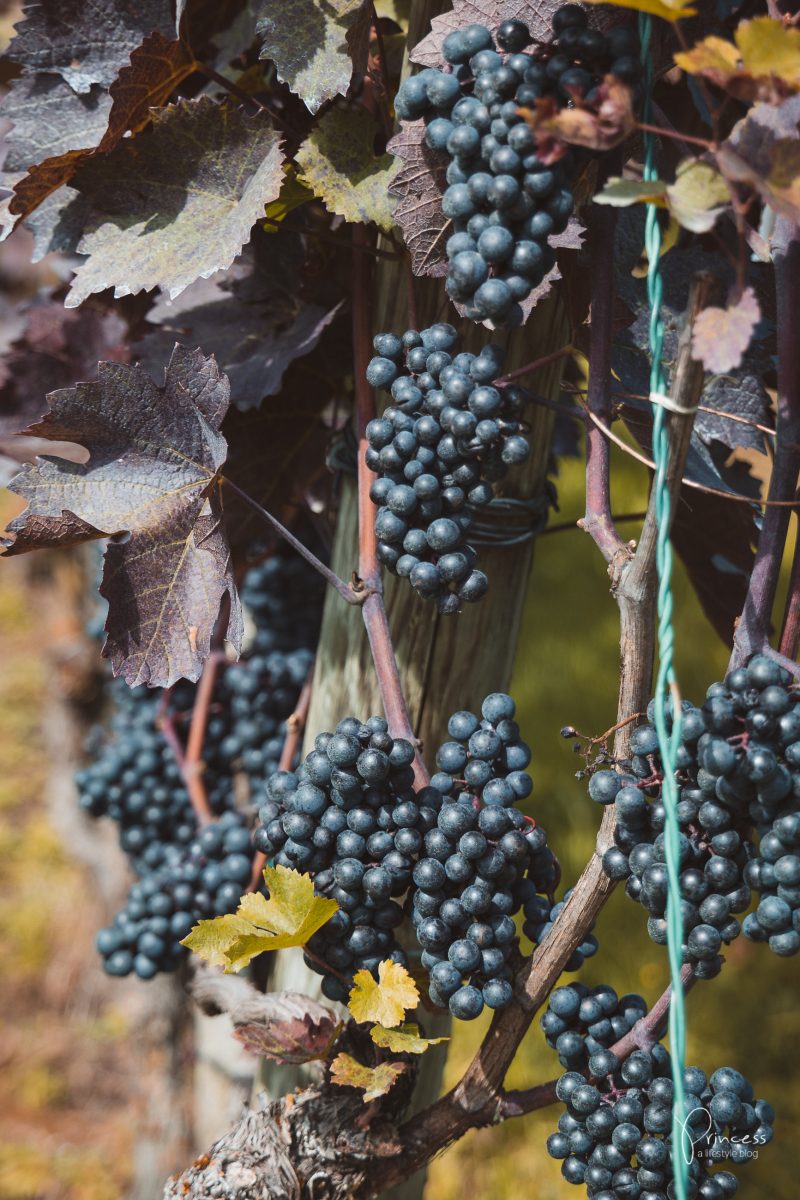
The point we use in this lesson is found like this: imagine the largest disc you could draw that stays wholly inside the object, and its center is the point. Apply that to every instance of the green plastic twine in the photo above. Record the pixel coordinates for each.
(666, 680)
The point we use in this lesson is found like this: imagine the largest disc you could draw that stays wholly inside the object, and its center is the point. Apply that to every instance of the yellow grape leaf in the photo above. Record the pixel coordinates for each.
(386, 1001)
(669, 238)
(698, 196)
(289, 917)
(211, 940)
(621, 193)
(669, 10)
(405, 1039)
(764, 64)
(347, 1071)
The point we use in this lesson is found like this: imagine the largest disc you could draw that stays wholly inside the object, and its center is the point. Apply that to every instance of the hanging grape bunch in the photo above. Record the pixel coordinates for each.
(448, 436)
(739, 815)
(614, 1136)
(504, 202)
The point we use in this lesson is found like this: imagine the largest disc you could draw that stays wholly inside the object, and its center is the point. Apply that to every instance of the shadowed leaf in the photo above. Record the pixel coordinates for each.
(721, 335)
(763, 151)
(385, 1000)
(297, 1037)
(86, 41)
(176, 203)
(337, 161)
(316, 45)
(155, 70)
(347, 1071)
(153, 454)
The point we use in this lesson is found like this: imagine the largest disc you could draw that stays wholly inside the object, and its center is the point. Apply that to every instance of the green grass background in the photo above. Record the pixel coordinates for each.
(567, 673)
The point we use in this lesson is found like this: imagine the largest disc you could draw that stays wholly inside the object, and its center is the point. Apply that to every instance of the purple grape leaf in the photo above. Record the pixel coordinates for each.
(148, 485)
(419, 185)
(297, 1038)
(86, 42)
(721, 335)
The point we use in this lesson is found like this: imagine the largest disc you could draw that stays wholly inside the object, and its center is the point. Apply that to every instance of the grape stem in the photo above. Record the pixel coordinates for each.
(530, 367)
(346, 591)
(790, 631)
(753, 627)
(598, 521)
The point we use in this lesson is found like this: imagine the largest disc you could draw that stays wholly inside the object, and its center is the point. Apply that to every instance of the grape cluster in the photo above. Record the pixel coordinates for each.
(349, 815)
(614, 1136)
(205, 879)
(540, 914)
(738, 772)
(504, 202)
(447, 437)
(481, 864)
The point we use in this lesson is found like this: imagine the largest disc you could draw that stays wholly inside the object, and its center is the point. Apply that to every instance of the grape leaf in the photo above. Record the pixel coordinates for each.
(537, 15)
(419, 185)
(763, 65)
(86, 41)
(620, 193)
(763, 150)
(295, 1038)
(338, 162)
(316, 45)
(599, 124)
(176, 203)
(253, 324)
(53, 348)
(698, 196)
(152, 75)
(721, 336)
(288, 917)
(153, 455)
(57, 224)
(668, 10)
(386, 1000)
(347, 1071)
(53, 131)
(404, 1039)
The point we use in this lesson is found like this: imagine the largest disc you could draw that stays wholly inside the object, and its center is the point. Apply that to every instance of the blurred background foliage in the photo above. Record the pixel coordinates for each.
(567, 674)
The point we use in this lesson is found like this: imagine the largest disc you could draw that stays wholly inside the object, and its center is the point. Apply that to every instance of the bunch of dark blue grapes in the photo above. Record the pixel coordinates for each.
(437, 450)
(133, 777)
(350, 816)
(204, 879)
(614, 1136)
(481, 863)
(504, 202)
(540, 915)
(738, 771)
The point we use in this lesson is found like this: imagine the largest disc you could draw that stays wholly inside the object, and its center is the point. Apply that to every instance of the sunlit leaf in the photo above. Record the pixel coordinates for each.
(763, 65)
(347, 1071)
(620, 193)
(338, 162)
(177, 202)
(386, 1000)
(698, 196)
(668, 10)
(316, 45)
(404, 1039)
(212, 939)
(721, 335)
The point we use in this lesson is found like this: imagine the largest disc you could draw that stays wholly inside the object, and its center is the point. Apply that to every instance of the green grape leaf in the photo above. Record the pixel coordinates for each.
(86, 42)
(147, 485)
(620, 193)
(698, 196)
(763, 150)
(316, 45)
(386, 1000)
(720, 336)
(347, 1071)
(404, 1039)
(338, 163)
(763, 65)
(177, 202)
(288, 917)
